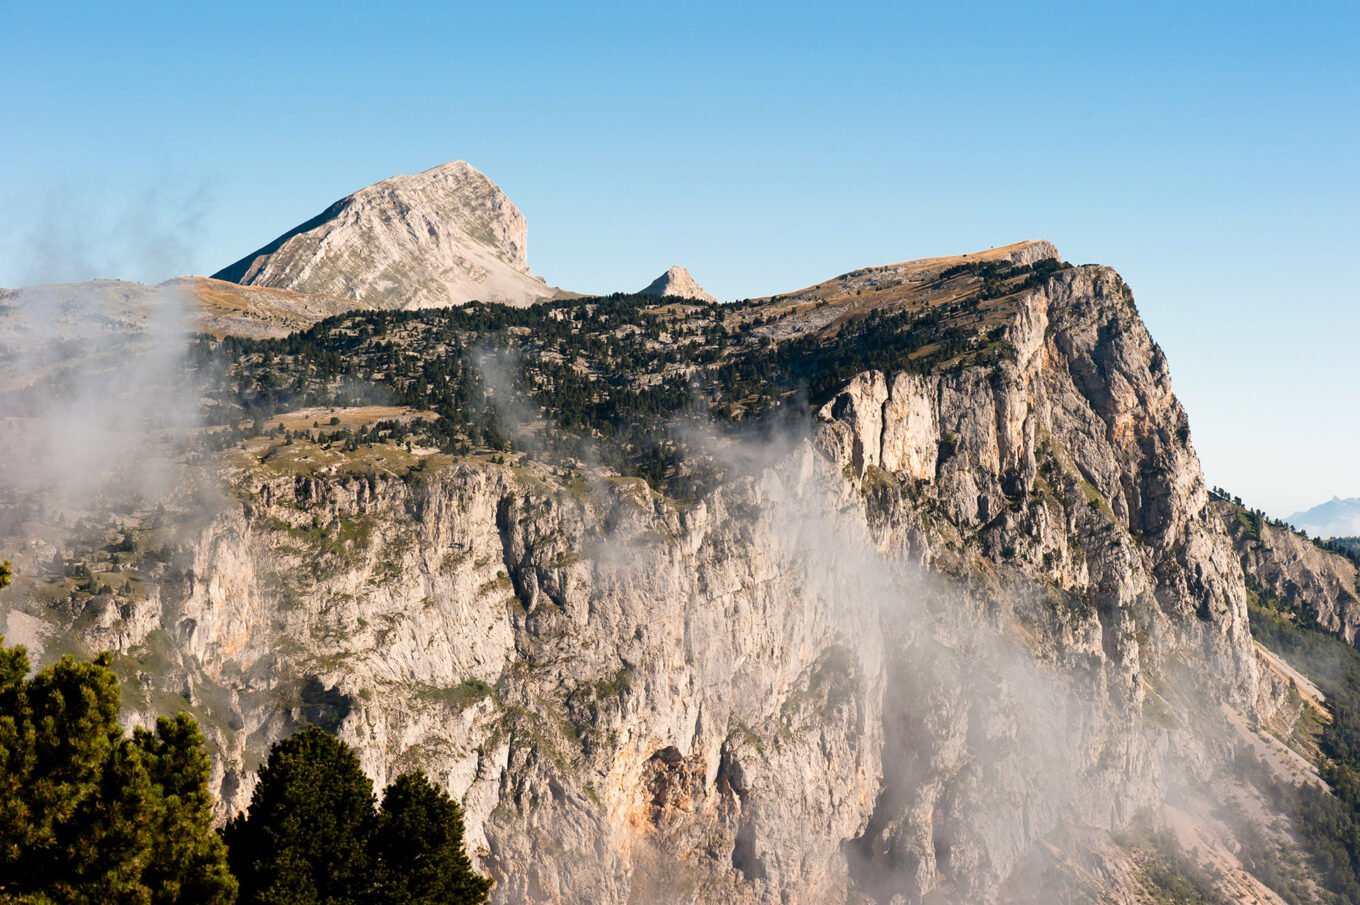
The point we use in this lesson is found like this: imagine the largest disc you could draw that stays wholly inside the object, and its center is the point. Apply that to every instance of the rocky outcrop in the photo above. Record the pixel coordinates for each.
(1289, 567)
(969, 610)
(1066, 470)
(442, 237)
(1077, 436)
(677, 283)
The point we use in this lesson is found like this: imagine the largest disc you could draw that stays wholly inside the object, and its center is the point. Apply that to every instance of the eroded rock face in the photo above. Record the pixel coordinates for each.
(1068, 466)
(442, 237)
(888, 658)
(1289, 567)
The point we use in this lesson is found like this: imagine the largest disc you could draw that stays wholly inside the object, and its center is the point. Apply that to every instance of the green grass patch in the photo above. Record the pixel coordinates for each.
(458, 697)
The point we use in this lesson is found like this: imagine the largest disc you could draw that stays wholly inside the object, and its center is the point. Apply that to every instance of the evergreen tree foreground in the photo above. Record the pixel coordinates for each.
(89, 815)
(312, 836)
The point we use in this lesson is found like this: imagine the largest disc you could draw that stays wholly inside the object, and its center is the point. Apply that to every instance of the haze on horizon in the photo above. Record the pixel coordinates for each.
(1204, 153)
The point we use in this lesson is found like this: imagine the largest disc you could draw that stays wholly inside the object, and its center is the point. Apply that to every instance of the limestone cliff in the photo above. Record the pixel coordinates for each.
(971, 613)
(677, 283)
(1292, 569)
(442, 237)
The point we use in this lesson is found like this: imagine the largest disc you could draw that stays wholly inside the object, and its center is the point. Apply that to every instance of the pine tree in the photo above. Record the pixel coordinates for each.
(417, 848)
(312, 837)
(303, 840)
(88, 815)
(16, 761)
(189, 862)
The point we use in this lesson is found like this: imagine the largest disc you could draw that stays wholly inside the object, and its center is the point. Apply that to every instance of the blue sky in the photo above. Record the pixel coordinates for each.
(1208, 151)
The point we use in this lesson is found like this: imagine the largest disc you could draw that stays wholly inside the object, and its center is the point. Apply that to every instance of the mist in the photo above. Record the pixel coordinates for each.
(990, 741)
(95, 393)
(982, 740)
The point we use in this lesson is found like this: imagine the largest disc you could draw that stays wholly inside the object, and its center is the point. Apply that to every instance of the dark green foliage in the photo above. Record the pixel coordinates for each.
(88, 815)
(1348, 547)
(417, 848)
(304, 837)
(311, 835)
(188, 861)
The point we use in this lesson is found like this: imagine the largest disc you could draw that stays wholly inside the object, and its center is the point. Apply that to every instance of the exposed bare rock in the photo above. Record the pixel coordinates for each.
(1291, 568)
(442, 237)
(968, 614)
(677, 283)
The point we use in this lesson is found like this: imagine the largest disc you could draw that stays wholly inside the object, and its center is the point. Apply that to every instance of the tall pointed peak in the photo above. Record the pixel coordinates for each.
(443, 236)
(678, 283)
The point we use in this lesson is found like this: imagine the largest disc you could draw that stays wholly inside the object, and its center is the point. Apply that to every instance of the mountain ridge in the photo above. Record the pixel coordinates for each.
(1335, 518)
(876, 590)
(474, 540)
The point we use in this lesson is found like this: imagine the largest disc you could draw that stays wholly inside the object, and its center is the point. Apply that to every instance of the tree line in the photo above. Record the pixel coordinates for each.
(609, 375)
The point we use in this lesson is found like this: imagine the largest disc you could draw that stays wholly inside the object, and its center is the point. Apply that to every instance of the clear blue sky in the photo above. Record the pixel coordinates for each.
(1207, 150)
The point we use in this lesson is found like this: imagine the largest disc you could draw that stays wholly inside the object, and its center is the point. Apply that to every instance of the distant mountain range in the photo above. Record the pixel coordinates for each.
(1334, 518)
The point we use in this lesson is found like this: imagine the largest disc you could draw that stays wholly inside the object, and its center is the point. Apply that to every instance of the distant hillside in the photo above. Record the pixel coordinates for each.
(1350, 545)
(1334, 518)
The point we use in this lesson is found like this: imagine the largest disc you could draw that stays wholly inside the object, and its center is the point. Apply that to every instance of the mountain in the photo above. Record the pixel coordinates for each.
(1298, 572)
(442, 237)
(904, 586)
(677, 283)
(1334, 518)
(900, 587)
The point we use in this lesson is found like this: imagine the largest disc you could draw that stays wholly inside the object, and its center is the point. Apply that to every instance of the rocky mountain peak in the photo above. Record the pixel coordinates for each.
(677, 282)
(444, 236)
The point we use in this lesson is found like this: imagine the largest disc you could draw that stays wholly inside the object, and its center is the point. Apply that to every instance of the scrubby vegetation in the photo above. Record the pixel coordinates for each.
(1171, 877)
(605, 378)
(1251, 521)
(1348, 547)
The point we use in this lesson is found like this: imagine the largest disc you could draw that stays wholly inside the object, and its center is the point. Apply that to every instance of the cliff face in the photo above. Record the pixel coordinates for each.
(442, 237)
(958, 615)
(1063, 484)
(1295, 571)
(1070, 463)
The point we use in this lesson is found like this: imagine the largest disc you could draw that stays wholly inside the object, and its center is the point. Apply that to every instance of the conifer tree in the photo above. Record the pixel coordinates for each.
(188, 864)
(88, 815)
(312, 837)
(417, 848)
(303, 840)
